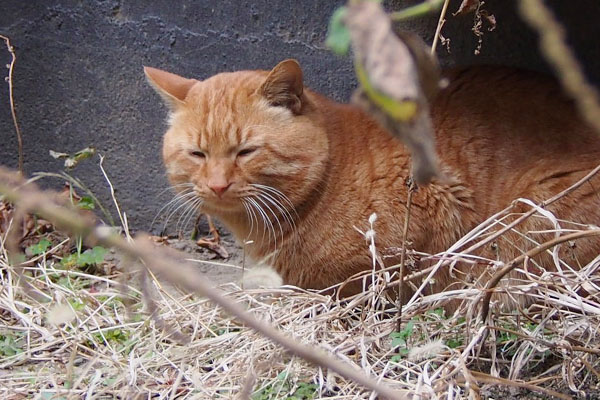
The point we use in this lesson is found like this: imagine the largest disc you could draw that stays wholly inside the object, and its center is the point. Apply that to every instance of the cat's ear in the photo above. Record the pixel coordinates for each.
(172, 88)
(283, 86)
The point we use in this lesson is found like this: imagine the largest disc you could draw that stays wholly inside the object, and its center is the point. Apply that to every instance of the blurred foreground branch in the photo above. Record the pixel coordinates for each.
(554, 47)
(28, 198)
(398, 78)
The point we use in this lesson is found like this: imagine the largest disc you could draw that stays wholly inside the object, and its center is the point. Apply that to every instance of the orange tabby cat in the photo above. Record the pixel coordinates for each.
(295, 173)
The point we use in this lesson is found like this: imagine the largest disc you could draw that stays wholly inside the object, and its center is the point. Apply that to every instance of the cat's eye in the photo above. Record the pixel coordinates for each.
(198, 154)
(247, 151)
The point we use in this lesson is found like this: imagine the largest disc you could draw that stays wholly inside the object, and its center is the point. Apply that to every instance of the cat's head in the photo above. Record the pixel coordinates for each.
(236, 135)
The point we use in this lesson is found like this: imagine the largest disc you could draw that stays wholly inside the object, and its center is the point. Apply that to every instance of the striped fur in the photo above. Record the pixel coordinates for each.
(301, 173)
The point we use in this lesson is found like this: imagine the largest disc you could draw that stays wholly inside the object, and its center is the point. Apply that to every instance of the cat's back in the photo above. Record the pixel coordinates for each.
(511, 108)
(504, 130)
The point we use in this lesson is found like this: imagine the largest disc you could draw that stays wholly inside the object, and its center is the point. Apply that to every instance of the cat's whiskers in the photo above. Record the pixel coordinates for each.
(189, 198)
(255, 207)
(174, 202)
(270, 192)
(266, 222)
(281, 208)
(271, 203)
(260, 198)
(251, 217)
(287, 219)
(187, 214)
(279, 193)
(187, 185)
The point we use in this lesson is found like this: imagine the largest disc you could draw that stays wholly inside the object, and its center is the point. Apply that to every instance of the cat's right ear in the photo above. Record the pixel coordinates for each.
(171, 87)
(283, 86)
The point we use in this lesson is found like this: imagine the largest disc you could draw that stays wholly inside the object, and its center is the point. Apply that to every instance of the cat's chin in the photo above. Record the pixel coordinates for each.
(222, 206)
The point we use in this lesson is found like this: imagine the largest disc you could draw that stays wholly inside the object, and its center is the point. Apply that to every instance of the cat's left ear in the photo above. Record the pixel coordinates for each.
(284, 87)
(172, 88)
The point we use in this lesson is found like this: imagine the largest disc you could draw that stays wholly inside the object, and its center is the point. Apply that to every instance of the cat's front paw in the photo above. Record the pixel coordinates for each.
(263, 277)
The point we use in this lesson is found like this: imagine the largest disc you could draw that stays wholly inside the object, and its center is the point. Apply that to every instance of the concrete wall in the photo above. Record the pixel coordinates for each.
(78, 79)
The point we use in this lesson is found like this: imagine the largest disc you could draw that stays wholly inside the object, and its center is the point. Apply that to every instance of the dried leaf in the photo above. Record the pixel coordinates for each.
(72, 160)
(57, 155)
(159, 239)
(490, 18)
(398, 76)
(6, 214)
(385, 58)
(213, 245)
(467, 6)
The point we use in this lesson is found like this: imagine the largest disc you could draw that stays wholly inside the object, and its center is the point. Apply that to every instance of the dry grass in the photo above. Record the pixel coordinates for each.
(80, 334)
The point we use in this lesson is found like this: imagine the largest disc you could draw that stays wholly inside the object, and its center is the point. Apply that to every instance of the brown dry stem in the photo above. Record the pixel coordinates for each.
(440, 25)
(11, 68)
(411, 188)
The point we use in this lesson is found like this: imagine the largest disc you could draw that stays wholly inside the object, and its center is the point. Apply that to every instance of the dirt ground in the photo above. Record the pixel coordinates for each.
(220, 268)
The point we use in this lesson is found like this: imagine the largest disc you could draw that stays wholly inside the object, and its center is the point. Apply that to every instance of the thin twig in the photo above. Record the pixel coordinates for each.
(411, 188)
(417, 10)
(440, 24)
(561, 57)
(122, 216)
(11, 67)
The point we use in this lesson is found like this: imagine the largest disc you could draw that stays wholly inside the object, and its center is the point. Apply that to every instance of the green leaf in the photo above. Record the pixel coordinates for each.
(89, 257)
(305, 391)
(282, 376)
(92, 256)
(398, 341)
(69, 261)
(454, 343)
(338, 36)
(40, 247)
(402, 353)
(86, 203)
(440, 312)
(403, 111)
(77, 304)
(418, 10)
(71, 160)
(9, 346)
(399, 338)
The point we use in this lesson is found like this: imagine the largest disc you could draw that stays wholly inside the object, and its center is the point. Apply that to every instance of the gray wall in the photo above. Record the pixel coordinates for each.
(78, 79)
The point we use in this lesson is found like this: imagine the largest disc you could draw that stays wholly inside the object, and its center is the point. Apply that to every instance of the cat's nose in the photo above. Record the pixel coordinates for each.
(219, 188)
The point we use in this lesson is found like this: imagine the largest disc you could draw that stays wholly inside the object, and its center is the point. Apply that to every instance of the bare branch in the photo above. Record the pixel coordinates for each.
(561, 57)
(440, 24)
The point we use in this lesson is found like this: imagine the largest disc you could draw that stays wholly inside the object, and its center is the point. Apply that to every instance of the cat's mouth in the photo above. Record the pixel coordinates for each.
(225, 203)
